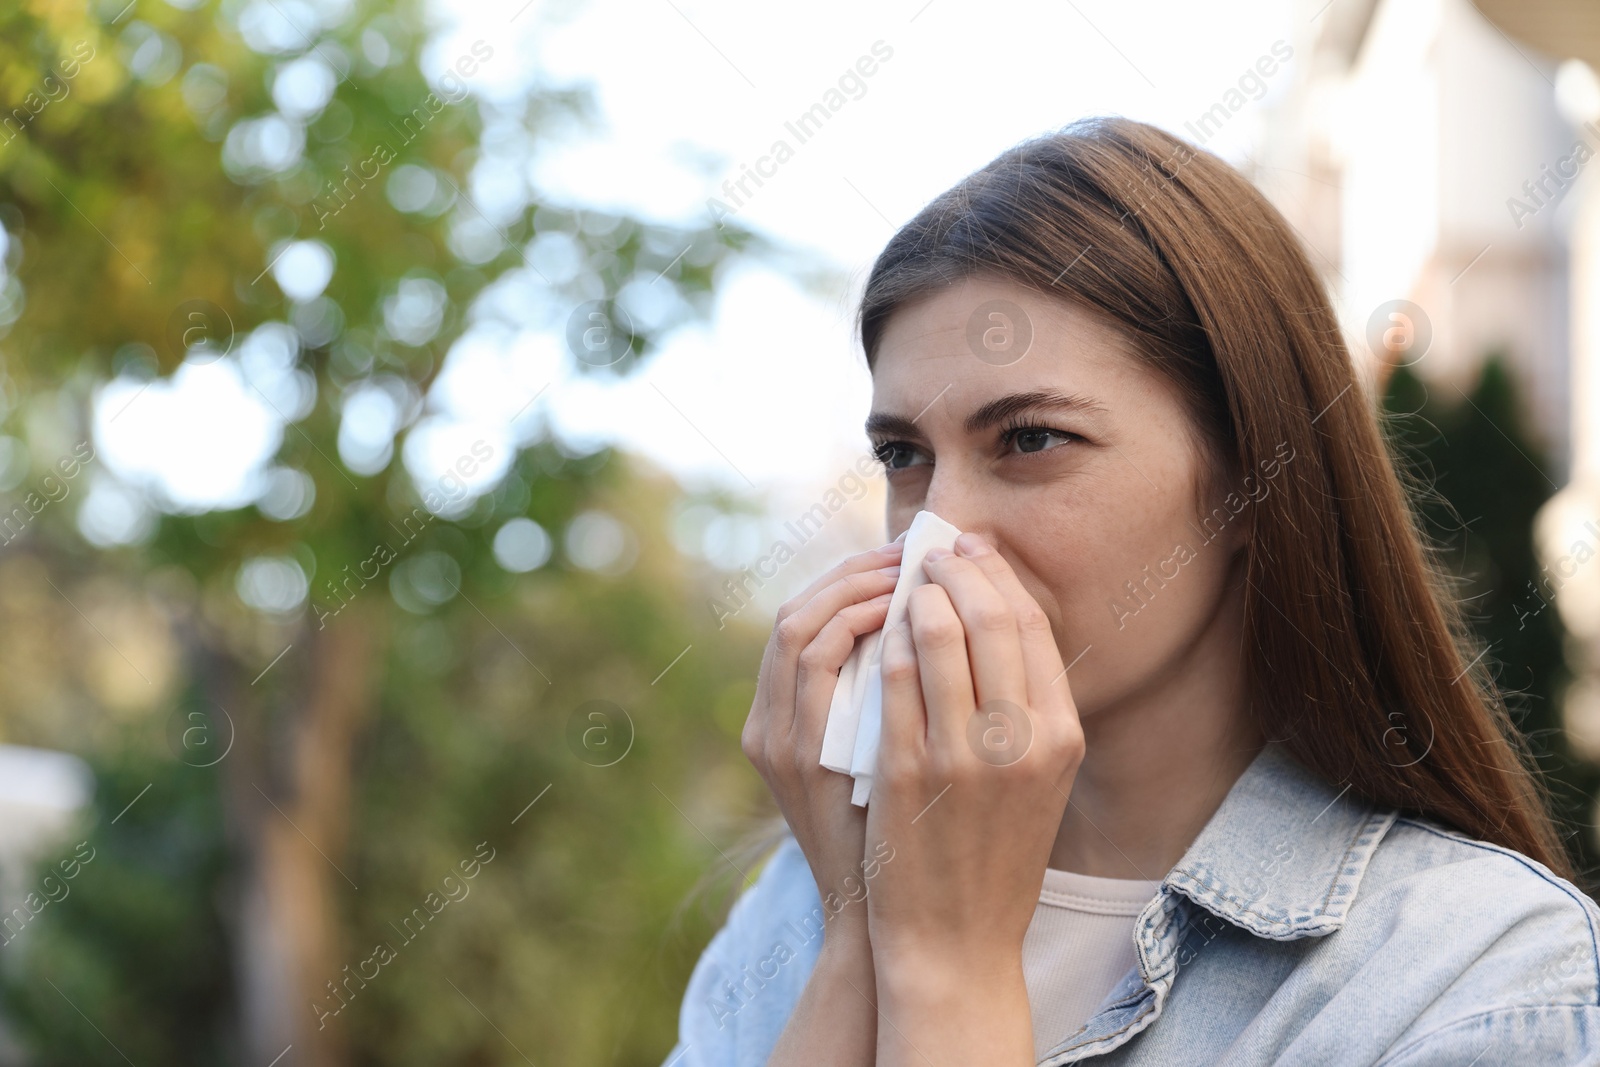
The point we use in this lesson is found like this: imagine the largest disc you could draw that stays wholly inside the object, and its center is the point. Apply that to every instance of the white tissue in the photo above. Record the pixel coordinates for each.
(855, 718)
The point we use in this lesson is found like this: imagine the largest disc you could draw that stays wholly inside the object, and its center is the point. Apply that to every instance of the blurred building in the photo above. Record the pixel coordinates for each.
(1438, 157)
(1410, 126)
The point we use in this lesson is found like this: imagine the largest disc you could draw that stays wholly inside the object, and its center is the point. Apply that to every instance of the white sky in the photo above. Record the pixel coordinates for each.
(770, 396)
(777, 383)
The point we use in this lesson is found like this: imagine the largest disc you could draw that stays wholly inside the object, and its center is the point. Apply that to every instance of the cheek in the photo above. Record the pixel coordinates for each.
(1130, 577)
(1098, 545)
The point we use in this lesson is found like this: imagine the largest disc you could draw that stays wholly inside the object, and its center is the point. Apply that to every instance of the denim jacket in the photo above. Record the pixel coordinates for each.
(1302, 926)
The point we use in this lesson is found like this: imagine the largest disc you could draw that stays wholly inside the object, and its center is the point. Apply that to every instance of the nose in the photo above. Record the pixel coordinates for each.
(957, 505)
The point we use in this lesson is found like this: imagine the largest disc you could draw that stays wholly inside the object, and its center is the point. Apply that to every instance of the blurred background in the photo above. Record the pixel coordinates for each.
(402, 407)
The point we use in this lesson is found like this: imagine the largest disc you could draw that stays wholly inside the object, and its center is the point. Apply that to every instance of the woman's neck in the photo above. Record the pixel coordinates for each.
(1158, 764)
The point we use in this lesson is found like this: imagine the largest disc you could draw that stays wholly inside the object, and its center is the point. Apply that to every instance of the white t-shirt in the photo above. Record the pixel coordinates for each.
(1078, 947)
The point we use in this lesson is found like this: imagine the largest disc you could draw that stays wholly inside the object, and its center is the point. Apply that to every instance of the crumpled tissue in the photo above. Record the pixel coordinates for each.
(855, 717)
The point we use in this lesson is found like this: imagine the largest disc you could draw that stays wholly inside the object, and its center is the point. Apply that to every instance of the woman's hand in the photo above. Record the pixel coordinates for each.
(813, 637)
(981, 743)
(835, 1021)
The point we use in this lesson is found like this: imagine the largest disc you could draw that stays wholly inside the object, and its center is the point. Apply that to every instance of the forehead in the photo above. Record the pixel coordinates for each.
(981, 338)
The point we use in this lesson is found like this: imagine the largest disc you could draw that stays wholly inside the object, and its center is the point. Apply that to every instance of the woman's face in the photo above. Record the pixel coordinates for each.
(1077, 461)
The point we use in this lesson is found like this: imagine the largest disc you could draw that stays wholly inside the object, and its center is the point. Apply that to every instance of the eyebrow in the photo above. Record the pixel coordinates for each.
(998, 410)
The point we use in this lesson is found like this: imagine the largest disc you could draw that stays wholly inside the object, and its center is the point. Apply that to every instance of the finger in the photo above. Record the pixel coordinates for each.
(905, 720)
(886, 556)
(1040, 656)
(994, 646)
(862, 562)
(755, 724)
(940, 642)
(819, 670)
(794, 634)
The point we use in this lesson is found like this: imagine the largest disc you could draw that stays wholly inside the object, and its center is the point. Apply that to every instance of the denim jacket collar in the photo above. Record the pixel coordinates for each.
(1282, 858)
(1285, 852)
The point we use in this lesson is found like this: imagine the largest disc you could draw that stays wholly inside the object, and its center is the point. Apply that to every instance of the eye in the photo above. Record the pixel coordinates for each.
(1036, 438)
(897, 455)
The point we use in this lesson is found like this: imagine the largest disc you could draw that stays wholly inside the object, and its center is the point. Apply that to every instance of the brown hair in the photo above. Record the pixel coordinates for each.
(1357, 651)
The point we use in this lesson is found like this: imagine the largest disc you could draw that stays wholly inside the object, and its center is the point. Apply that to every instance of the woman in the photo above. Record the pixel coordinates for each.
(1258, 802)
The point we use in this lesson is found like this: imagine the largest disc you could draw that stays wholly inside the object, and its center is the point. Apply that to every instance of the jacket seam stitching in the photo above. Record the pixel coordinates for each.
(1367, 826)
(1107, 1037)
(1412, 1045)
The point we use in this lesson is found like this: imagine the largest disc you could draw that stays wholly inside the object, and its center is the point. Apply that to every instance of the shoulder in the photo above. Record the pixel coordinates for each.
(749, 977)
(1486, 938)
(1451, 951)
(1456, 878)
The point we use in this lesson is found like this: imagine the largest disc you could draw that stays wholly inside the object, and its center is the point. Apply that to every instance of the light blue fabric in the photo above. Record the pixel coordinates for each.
(1301, 927)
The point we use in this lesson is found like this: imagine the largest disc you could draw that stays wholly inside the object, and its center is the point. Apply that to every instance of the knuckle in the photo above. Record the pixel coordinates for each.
(817, 656)
(899, 669)
(862, 561)
(752, 745)
(946, 766)
(843, 584)
(790, 636)
(940, 632)
(1032, 619)
(858, 619)
(994, 618)
(1067, 740)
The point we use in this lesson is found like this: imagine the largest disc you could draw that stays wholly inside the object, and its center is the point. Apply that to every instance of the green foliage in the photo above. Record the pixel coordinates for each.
(574, 939)
(570, 940)
(116, 199)
(135, 947)
(119, 211)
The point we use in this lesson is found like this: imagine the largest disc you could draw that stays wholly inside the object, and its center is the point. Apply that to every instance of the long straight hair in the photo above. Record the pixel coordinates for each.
(1359, 659)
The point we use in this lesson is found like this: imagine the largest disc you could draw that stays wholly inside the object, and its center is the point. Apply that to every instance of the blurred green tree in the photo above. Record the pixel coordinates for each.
(572, 940)
(157, 165)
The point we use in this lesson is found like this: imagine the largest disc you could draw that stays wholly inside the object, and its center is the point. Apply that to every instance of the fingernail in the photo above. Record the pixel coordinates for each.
(893, 547)
(970, 544)
(903, 533)
(892, 572)
(936, 553)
